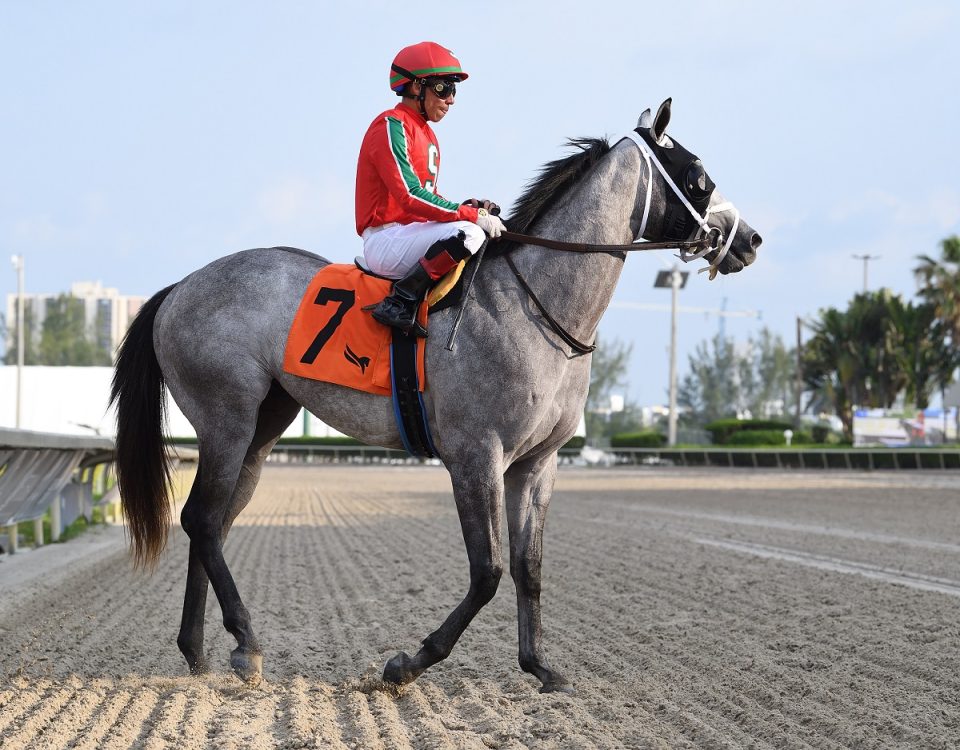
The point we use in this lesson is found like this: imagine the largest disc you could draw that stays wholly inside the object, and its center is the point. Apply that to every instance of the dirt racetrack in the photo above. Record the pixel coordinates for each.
(689, 608)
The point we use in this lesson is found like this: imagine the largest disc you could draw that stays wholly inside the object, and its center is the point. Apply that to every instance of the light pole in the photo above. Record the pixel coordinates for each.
(799, 375)
(18, 267)
(675, 280)
(866, 260)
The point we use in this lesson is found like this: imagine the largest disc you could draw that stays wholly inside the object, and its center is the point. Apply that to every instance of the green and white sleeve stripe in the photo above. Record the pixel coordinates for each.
(398, 147)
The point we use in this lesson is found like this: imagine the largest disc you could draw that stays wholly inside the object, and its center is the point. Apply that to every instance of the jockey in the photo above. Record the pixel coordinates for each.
(410, 232)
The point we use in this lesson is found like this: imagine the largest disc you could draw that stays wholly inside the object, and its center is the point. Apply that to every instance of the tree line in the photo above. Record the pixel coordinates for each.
(724, 379)
(882, 346)
(64, 337)
(878, 349)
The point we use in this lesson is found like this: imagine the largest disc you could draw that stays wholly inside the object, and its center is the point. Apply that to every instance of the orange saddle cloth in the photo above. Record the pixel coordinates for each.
(334, 340)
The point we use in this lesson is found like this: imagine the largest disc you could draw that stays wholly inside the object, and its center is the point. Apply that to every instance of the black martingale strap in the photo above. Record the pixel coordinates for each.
(578, 346)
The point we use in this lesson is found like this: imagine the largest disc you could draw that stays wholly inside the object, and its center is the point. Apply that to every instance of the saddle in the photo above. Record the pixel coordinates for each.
(445, 293)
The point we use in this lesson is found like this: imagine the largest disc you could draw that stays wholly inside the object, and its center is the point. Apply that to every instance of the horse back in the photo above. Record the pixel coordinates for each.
(234, 311)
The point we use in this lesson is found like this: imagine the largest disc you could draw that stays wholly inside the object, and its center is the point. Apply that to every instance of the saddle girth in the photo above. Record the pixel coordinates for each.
(407, 401)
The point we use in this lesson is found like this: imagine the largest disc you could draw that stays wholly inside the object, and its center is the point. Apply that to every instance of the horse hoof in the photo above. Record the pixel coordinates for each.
(398, 670)
(200, 667)
(247, 666)
(558, 686)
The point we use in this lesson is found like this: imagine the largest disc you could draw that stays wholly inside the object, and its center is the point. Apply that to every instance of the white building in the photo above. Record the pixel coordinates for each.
(107, 313)
(73, 401)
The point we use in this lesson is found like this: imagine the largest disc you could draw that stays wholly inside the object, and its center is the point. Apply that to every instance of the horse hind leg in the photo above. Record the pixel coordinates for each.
(190, 639)
(274, 415)
(528, 487)
(478, 493)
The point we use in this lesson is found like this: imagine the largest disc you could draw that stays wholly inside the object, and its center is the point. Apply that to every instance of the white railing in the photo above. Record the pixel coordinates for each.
(43, 471)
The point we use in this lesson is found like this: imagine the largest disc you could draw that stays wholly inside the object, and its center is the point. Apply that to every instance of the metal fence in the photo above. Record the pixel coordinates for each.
(350, 454)
(42, 471)
(774, 458)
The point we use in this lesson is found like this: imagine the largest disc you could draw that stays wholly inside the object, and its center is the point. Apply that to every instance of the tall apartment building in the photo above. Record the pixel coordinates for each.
(107, 313)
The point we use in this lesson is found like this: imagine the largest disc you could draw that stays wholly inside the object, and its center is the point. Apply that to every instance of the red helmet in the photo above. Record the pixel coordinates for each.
(422, 60)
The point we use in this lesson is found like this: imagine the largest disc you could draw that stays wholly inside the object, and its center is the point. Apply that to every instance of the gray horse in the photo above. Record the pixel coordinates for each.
(500, 404)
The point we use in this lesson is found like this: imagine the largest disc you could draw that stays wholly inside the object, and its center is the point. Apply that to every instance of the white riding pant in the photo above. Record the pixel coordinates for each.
(394, 249)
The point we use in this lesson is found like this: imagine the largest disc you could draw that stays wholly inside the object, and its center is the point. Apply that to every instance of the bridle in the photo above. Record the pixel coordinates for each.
(704, 240)
(704, 229)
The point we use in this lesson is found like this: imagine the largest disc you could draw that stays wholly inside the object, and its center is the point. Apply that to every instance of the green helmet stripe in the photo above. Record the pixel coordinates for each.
(422, 72)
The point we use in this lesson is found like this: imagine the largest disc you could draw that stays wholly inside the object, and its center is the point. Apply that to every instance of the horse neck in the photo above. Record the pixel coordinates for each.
(577, 287)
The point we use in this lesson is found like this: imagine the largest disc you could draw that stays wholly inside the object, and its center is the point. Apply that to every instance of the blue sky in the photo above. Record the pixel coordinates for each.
(143, 140)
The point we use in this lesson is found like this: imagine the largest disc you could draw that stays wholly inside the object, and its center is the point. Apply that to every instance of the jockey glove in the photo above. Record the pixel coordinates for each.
(490, 224)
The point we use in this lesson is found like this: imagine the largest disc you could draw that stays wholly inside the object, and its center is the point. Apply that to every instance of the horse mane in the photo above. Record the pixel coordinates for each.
(554, 179)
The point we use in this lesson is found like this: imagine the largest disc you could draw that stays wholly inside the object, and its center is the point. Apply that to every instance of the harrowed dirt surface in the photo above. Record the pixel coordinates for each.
(689, 608)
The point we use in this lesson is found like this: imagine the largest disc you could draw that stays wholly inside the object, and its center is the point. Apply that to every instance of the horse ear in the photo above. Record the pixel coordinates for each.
(646, 119)
(661, 121)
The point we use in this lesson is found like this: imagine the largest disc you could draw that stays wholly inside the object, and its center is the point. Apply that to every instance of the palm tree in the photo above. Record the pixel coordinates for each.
(940, 285)
(853, 357)
(875, 341)
(919, 349)
(830, 367)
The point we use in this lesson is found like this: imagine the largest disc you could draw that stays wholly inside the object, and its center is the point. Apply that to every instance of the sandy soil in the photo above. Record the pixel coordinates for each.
(690, 609)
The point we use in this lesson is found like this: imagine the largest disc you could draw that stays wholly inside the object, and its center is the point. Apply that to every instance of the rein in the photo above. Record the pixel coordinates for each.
(578, 346)
(707, 242)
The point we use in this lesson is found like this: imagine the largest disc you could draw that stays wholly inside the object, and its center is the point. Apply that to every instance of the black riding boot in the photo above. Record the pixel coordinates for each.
(399, 310)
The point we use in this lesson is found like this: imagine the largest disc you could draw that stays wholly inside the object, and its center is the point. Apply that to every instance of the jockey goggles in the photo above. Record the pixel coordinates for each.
(442, 87)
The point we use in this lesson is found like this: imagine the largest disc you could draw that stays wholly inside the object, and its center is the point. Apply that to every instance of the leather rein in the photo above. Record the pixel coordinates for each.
(711, 241)
(708, 241)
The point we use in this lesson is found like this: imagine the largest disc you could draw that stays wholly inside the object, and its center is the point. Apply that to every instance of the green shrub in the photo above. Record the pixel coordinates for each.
(644, 439)
(722, 429)
(576, 442)
(820, 432)
(757, 437)
(768, 437)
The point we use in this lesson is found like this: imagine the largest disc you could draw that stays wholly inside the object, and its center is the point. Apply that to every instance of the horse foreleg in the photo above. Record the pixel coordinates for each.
(478, 494)
(528, 487)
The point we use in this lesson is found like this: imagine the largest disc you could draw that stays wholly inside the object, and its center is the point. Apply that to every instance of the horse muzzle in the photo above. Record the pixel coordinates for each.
(743, 250)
